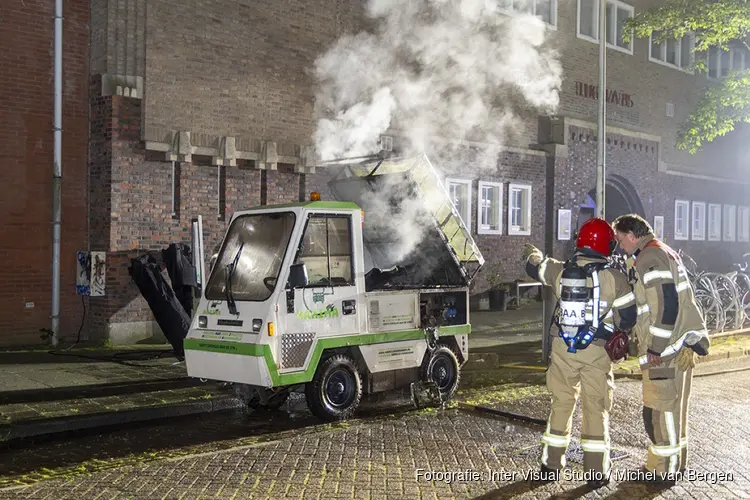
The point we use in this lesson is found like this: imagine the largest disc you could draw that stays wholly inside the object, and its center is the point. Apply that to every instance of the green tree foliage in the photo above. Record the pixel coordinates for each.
(715, 23)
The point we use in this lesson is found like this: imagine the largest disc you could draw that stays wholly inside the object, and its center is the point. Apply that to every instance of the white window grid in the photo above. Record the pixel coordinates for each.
(714, 222)
(519, 209)
(729, 218)
(743, 223)
(699, 221)
(615, 9)
(461, 204)
(673, 53)
(681, 219)
(490, 207)
(720, 62)
(546, 10)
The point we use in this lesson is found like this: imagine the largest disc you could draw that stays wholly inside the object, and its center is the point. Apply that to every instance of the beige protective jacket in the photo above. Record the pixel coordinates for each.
(668, 316)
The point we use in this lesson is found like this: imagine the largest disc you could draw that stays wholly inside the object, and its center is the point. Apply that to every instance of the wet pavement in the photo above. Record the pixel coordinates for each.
(390, 453)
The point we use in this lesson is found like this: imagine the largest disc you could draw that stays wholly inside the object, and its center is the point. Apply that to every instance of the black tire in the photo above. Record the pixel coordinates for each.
(276, 398)
(443, 368)
(335, 391)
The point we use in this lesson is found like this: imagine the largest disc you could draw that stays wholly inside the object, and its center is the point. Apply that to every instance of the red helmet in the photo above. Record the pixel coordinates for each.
(597, 234)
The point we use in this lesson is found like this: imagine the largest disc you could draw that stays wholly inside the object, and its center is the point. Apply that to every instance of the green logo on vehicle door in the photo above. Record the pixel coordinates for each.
(328, 312)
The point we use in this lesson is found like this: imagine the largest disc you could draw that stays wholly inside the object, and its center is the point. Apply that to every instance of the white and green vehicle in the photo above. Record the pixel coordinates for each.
(364, 293)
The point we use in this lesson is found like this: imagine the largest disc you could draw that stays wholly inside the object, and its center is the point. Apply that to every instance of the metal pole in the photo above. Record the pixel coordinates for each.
(57, 175)
(601, 170)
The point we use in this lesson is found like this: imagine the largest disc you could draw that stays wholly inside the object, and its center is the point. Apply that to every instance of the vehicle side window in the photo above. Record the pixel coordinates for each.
(326, 250)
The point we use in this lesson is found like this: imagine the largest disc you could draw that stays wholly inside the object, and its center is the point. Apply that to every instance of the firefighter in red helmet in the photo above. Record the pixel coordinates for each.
(595, 306)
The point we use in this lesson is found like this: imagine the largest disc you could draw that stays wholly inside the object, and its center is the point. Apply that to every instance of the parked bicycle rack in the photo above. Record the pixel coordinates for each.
(724, 298)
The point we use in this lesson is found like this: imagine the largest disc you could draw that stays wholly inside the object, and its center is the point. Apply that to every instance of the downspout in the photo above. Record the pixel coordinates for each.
(57, 175)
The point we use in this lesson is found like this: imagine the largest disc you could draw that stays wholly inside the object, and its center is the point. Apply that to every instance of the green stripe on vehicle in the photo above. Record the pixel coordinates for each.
(299, 377)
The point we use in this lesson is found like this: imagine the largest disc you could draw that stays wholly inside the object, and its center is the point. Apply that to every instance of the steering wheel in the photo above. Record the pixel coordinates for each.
(270, 282)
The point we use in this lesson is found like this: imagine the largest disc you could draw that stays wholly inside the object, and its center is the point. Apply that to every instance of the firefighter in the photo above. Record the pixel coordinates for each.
(670, 334)
(591, 297)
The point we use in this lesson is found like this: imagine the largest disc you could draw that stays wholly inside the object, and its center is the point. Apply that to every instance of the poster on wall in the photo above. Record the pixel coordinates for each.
(564, 219)
(98, 277)
(659, 226)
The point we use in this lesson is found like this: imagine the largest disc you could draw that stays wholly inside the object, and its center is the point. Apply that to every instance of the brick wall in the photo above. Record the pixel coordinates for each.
(228, 68)
(131, 192)
(26, 156)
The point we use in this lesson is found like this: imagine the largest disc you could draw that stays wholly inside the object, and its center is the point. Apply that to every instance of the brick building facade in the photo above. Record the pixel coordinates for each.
(216, 98)
(26, 156)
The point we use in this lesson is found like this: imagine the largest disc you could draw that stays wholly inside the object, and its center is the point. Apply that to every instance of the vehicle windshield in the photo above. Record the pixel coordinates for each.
(249, 262)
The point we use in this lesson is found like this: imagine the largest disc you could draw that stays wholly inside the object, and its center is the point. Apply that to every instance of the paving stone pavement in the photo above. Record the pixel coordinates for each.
(379, 457)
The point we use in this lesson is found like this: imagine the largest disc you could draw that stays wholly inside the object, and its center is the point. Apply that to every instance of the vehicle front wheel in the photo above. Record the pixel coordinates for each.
(443, 369)
(336, 389)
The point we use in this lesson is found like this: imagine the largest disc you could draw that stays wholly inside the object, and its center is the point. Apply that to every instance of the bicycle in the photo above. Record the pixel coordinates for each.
(706, 293)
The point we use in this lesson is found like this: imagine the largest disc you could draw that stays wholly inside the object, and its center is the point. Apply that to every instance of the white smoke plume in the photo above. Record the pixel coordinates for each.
(432, 69)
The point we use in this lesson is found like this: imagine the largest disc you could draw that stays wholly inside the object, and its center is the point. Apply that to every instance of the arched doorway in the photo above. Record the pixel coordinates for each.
(620, 198)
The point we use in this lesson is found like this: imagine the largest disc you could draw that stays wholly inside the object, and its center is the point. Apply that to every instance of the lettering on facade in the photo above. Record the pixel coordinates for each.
(615, 97)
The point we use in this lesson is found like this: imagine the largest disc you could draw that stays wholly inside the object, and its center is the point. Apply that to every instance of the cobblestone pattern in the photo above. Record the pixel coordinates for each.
(378, 457)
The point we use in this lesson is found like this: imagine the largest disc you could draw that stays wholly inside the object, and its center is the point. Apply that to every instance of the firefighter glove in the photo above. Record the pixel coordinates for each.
(686, 359)
(532, 254)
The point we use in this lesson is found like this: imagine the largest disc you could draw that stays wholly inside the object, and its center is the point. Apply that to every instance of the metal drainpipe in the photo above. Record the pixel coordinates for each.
(57, 175)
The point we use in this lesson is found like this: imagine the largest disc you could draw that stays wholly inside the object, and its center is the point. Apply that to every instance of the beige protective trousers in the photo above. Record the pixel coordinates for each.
(665, 415)
(588, 372)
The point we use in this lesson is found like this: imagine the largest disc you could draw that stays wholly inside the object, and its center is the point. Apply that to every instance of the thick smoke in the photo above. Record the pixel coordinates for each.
(433, 73)
(430, 69)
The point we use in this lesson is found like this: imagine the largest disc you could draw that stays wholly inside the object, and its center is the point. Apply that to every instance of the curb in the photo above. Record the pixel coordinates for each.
(96, 390)
(59, 425)
(619, 373)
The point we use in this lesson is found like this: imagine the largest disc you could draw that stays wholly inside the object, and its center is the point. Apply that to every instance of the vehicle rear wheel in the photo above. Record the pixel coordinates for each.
(443, 369)
(336, 389)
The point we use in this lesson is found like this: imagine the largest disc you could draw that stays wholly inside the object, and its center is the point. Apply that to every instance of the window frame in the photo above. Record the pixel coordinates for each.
(528, 189)
(469, 183)
(595, 17)
(701, 234)
(554, 15)
(743, 231)
(710, 236)
(732, 51)
(327, 217)
(685, 234)
(663, 49)
(498, 209)
(727, 224)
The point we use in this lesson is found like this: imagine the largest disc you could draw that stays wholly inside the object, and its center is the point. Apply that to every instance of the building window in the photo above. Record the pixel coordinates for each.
(617, 14)
(681, 219)
(490, 208)
(743, 224)
(721, 62)
(730, 222)
(459, 191)
(714, 222)
(546, 10)
(675, 53)
(699, 221)
(519, 209)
